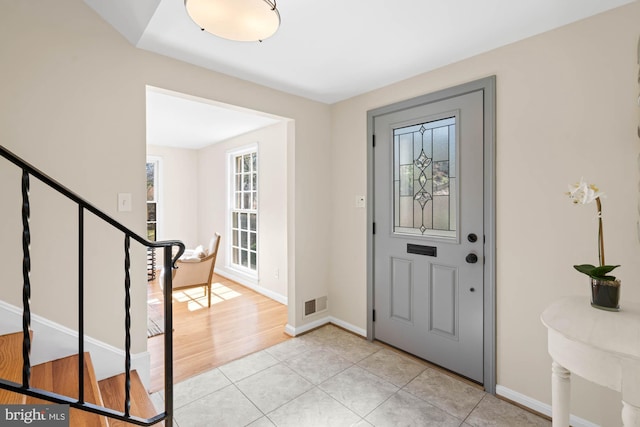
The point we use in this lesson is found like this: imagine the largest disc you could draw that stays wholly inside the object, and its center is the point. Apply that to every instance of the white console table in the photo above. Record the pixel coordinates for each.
(599, 345)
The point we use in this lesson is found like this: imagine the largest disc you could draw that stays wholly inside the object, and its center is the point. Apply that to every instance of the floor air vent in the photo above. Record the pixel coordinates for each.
(315, 306)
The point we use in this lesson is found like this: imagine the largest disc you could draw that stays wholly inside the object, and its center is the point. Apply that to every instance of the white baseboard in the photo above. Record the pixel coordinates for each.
(53, 341)
(538, 406)
(290, 330)
(295, 331)
(348, 326)
(251, 284)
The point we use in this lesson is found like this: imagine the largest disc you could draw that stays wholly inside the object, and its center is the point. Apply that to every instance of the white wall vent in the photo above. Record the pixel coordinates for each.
(314, 306)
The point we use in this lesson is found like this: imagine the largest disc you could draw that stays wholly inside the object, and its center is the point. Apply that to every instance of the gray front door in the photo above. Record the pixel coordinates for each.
(428, 242)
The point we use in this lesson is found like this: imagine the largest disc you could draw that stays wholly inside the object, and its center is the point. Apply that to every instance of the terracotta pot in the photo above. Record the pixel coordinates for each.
(605, 294)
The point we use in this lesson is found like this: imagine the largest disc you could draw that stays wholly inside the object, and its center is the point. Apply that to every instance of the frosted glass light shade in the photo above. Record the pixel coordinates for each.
(239, 20)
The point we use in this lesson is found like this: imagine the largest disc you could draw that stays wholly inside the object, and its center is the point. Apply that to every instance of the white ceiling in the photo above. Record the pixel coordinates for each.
(330, 50)
(327, 50)
(178, 120)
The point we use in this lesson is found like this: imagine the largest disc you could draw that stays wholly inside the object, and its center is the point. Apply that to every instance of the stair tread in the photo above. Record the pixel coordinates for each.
(11, 366)
(61, 376)
(112, 390)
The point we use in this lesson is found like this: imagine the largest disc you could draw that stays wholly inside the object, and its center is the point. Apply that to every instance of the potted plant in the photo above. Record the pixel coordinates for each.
(605, 288)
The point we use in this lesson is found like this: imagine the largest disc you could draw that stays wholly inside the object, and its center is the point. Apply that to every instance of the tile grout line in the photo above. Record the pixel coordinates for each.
(474, 408)
(284, 403)
(252, 402)
(234, 383)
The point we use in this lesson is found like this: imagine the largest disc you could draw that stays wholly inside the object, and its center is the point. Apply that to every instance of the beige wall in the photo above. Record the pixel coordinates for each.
(73, 103)
(178, 196)
(566, 108)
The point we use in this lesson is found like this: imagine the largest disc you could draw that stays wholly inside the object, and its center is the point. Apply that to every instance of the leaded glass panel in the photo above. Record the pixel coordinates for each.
(424, 171)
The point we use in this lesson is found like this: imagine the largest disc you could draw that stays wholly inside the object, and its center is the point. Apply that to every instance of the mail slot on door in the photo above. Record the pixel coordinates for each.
(422, 250)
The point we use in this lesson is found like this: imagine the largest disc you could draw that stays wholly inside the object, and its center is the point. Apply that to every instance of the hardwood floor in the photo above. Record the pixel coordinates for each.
(239, 322)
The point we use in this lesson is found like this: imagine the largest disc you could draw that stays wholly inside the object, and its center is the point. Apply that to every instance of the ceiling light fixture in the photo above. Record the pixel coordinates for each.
(239, 20)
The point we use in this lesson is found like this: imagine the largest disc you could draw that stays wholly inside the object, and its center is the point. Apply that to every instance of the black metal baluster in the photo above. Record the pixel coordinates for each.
(80, 304)
(26, 287)
(168, 333)
(127, 325)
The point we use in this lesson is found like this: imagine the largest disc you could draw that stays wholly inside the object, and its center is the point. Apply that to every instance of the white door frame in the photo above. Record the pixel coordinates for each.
(488, 87)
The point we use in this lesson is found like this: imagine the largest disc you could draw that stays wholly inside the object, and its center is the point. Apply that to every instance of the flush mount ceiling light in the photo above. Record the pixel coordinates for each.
(239, 20)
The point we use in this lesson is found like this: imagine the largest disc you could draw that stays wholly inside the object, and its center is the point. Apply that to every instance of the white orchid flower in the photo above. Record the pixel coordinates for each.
(583, 193)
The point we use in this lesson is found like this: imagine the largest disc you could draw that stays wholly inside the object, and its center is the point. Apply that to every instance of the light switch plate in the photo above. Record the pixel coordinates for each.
(124, 202)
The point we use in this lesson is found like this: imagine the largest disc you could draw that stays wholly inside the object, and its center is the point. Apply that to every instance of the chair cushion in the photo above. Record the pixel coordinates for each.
(193, 255)
(199, 252)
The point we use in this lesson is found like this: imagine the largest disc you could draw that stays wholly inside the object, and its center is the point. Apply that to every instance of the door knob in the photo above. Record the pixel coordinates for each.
(472, 258)
(472, 237)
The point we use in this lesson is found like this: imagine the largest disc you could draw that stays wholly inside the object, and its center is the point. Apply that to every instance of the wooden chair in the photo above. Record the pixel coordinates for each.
(194, 271)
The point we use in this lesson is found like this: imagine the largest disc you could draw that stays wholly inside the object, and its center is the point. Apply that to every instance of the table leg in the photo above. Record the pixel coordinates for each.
(630, 415)
(560, 395)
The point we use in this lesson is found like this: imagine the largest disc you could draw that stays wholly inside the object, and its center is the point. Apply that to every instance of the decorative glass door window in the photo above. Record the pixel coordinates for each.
(244, 214)
(425, 186)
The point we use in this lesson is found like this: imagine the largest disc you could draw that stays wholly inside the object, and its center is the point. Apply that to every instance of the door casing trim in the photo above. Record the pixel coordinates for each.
(488, 87)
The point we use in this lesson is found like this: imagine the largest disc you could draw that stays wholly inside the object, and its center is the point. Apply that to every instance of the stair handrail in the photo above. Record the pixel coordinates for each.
(168, 265)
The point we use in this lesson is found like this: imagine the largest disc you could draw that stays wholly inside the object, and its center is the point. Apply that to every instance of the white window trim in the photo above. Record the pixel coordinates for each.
(238, 269)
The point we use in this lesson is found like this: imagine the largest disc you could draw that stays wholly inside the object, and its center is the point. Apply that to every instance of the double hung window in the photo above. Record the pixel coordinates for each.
(244, 209)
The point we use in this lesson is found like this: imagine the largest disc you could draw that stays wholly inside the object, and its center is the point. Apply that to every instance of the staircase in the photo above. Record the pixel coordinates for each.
(117, 401)
(11, 366)
(61, 376)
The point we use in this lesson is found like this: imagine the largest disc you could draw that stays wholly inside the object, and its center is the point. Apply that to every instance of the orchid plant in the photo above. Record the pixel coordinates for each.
(582, 194)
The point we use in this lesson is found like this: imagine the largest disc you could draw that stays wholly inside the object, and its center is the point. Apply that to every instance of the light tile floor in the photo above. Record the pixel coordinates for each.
(332, 378)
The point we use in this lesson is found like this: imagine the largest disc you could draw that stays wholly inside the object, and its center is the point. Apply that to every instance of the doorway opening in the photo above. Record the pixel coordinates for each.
(190, 142)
